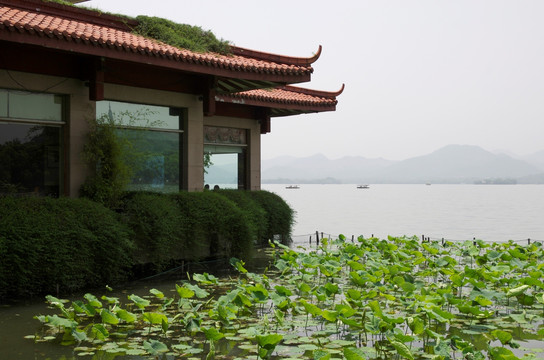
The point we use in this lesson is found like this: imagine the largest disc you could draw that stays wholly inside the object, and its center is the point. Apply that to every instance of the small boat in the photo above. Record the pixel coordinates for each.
(292, 187)
(362, 186)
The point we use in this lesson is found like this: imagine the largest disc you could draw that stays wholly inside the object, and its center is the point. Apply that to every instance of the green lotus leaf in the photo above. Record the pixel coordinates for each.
(155, 347)
(93, 300)
(138, 301)
(402, 349)
(353, 353)
(126, 316)
(184, 292)
(108, 317)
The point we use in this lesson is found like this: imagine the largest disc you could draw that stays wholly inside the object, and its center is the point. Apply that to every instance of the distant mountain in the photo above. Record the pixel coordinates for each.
(450, 164)
(536, 159)
(457, 163)
(300, 170)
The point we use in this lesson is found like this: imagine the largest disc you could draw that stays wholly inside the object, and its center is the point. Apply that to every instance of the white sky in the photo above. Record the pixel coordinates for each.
(419, 74)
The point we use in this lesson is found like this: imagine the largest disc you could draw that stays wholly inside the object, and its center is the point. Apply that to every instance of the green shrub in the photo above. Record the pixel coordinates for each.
(103, 153)
(66, 244)
(256, 215)
(280, 216)
(158, 226)
(49, 245)
(217, 226)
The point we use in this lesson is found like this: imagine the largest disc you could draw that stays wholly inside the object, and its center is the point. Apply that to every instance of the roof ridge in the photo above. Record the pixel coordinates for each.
(73, 13)
(284, 59)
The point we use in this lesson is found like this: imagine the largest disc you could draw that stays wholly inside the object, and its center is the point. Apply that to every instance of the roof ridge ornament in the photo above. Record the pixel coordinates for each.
(283, 59)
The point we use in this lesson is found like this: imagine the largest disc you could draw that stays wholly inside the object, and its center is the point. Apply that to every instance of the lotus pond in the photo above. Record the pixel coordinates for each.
(368, 299)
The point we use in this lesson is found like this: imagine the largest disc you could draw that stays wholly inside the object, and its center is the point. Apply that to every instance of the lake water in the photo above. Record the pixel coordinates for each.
(452, 212)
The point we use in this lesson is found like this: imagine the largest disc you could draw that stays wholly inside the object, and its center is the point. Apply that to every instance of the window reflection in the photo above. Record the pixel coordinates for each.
(3, 103)
(227, 167)
(154, 159)
(139, 115)
(152, 142)
(26, 105)
(31, 159)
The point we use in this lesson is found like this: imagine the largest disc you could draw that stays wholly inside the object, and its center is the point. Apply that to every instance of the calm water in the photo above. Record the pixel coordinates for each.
(453, 212)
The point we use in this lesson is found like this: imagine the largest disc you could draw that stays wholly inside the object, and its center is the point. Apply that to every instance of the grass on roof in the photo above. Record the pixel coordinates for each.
(182, 36)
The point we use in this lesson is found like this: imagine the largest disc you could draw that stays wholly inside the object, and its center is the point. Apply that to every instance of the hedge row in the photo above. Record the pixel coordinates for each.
(49, 245)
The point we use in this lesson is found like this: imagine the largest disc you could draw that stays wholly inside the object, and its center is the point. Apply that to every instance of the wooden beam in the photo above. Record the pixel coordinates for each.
(209, 96)
(264, 120)
(96, 82)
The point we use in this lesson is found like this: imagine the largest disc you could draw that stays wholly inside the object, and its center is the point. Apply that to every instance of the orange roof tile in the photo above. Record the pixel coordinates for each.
(32, 24)
(296, 99)
(282, 95)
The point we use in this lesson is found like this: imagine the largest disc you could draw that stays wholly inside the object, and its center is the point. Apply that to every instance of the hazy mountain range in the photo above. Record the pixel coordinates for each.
(450, 164)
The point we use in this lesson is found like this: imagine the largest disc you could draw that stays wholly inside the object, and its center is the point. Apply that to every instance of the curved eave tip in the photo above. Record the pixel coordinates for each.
(316, 55)
(340, 91)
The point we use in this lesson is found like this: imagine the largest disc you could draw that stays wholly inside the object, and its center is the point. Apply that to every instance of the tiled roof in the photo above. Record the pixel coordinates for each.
(284, 96)
(296, 99)
(38, 27)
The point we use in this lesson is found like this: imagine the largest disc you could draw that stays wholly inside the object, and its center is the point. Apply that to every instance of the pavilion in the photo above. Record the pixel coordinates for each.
(62, 65)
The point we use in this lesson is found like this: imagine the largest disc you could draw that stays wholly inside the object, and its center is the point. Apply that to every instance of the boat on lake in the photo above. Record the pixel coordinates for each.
(362, 186)
(292, 187)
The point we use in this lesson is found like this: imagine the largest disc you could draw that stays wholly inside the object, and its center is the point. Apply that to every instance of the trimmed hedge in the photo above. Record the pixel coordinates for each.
(49, 245)
(158, 227)
(258, 220)
(217, 226)
(280, 216)
(59, 244)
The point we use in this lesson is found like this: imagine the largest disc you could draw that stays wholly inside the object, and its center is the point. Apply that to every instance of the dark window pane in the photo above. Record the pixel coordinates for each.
(25, 105)
(30, 158)
(154, 158)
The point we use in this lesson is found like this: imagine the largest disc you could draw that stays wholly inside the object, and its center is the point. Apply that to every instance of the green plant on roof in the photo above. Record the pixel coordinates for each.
(62, 2)
(183, 36)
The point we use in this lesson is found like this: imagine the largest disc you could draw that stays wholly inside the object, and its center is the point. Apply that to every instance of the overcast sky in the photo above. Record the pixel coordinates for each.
(419, 74)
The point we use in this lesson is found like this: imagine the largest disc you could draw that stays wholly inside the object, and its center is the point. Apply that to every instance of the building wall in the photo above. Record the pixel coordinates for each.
(81, 109)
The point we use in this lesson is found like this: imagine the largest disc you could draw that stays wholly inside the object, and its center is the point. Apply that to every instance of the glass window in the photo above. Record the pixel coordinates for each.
(153, 157)
(26, 105)
(3, 103)
(31, 159)
(30, 154)
(151, 140)
(138, 115)
(227, 167)
(225, 150)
